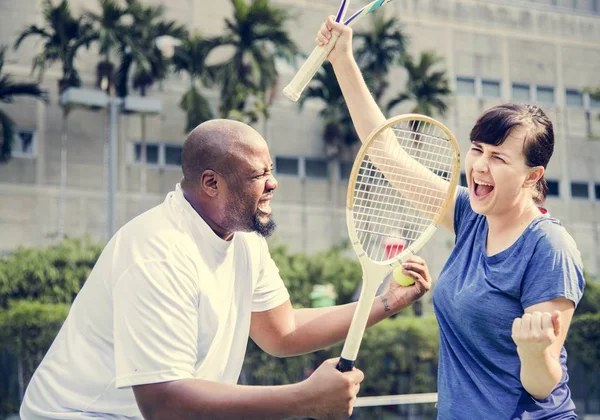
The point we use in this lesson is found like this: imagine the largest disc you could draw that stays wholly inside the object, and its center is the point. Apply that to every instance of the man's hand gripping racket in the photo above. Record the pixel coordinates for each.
(402, 183)
(317, 57)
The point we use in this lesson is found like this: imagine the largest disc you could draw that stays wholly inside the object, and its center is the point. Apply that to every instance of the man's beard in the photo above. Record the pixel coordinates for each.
(264, 229)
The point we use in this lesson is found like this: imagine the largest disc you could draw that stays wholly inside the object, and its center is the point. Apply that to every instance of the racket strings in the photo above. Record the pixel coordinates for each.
(401, 187)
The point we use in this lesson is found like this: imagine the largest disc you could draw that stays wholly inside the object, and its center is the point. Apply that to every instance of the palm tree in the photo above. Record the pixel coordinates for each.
(190, 57)
(147, 61)
(63, 36)
(257, 36)
(426, 87)
(10, 88)
(378, 49)
(111, 34)
(338, 130)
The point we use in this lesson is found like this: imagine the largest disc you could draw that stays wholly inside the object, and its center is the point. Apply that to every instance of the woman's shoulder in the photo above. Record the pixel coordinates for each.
(548, 233)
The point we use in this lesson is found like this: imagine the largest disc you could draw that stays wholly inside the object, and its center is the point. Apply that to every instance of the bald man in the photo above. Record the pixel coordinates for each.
(159, 330)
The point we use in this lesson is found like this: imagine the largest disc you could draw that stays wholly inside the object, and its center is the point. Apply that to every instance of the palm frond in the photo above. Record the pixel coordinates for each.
(196, 107)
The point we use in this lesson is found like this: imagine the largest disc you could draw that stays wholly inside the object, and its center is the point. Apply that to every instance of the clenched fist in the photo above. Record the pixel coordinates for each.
(534, 333)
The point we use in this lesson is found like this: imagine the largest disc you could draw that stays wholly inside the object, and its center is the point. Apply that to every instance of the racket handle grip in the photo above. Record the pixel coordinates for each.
(344, 365)
(312, 64)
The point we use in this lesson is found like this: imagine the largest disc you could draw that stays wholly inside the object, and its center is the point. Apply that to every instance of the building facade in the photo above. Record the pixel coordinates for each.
(545, 52)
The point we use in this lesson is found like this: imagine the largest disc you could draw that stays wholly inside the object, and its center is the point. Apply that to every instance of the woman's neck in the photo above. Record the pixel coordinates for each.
(521, 216)
(505, 229)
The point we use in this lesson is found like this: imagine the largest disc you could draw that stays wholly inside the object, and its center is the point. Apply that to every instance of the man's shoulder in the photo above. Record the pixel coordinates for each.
(153, 235)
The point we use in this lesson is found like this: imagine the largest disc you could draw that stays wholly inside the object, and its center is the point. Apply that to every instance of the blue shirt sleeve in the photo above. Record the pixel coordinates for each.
(555, 268)
(462, 209)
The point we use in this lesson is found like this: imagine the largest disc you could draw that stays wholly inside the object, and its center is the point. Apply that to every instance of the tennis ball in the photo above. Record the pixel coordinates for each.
(401, 278)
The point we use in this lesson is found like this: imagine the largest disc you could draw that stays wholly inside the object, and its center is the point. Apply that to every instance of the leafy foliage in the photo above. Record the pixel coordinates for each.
(590, 302)
(301, 272)
(112, 36)
(427, 87)
(63, 35)
(257, 36)
(52, 275)
(28, 328)
(149, 24)
(378, 49)
(190, 58)
(338, 131)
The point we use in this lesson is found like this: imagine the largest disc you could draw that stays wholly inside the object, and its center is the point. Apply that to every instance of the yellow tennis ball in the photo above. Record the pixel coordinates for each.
(401, 278)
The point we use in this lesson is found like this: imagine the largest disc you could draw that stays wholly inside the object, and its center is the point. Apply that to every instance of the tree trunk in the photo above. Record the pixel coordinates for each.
(143, 156)
(63, 176)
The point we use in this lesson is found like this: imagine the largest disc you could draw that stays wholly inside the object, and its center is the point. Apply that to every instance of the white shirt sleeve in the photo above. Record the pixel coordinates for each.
(270, 291)
(155, 323)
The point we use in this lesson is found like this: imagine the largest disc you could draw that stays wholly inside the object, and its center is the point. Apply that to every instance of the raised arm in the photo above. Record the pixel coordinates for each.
(366, 115)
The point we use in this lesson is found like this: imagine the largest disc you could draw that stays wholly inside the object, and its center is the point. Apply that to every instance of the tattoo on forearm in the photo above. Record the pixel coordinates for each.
(386, 307)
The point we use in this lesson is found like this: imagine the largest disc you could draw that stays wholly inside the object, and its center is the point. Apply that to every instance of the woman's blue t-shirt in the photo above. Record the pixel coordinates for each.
(476, 299)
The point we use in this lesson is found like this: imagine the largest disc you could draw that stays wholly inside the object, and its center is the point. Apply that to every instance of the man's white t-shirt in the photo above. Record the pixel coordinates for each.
(166, 300)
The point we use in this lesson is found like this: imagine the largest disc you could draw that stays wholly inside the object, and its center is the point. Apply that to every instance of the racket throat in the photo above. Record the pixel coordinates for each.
(359, 322)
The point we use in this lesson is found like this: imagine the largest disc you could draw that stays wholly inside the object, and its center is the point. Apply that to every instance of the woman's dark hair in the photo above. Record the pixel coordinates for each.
(494, 126)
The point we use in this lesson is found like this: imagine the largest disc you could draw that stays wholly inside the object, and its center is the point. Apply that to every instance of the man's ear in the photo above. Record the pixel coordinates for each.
(210, 183)
(535, 174)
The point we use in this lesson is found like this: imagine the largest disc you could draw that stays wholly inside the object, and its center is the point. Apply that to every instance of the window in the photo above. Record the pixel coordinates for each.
(465, 86)
(152, 153)
(520, 92)
(159, 154)
(545, 94)
(345, 170)
(24, 143)
(579, 190)
(553, 188)
(463, 180)
(315, 167)
(286, 165)
(595, 102)
(173, 155)
(490, 88)
(597, 191)
(574, 97)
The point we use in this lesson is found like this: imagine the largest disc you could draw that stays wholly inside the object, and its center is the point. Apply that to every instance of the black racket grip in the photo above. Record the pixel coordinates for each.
(344, 365)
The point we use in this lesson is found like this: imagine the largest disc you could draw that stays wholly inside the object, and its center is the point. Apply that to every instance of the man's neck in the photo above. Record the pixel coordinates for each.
(204, 212)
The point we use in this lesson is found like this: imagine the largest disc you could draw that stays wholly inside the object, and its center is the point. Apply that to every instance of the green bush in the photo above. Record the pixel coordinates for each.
(27, 330)
(301, 272)
(398, 356)
(37, 287)
(590, 302)
(49, 275)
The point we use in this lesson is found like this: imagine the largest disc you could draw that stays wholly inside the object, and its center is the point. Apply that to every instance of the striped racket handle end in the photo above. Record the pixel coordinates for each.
(312, 64)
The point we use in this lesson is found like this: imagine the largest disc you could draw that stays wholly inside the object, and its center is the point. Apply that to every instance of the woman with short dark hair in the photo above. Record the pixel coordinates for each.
(506, 296)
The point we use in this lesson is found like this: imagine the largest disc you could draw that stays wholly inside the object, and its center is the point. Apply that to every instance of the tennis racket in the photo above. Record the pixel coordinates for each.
(402, 182)
(319, 54)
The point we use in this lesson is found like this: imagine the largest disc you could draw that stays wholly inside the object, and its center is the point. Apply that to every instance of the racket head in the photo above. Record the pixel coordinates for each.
(369, 8)
(392, 210)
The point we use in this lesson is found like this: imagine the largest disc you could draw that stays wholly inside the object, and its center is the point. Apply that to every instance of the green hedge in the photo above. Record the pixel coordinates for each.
(398, 355)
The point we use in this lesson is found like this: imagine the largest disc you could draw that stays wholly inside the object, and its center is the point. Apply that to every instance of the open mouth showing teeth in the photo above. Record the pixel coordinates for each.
(264, 207)
(482, 189)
